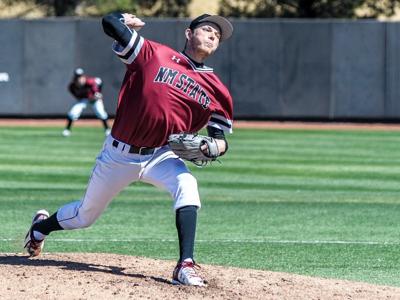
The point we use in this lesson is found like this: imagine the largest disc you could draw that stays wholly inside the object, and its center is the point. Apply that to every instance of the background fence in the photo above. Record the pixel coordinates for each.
(275, 69)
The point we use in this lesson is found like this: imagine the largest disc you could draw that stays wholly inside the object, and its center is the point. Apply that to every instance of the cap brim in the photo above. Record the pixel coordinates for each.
(225, 26)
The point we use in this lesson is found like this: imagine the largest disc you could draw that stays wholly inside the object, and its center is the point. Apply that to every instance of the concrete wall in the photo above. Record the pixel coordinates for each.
(275, 69)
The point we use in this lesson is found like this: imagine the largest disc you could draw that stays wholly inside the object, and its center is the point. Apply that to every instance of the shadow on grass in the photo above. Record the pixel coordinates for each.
(17, 260)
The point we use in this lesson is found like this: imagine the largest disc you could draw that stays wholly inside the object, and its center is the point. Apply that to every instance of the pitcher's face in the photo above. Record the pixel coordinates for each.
(204, 38)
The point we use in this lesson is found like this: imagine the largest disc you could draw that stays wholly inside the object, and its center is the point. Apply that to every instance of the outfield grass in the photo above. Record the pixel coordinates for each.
(321, 203)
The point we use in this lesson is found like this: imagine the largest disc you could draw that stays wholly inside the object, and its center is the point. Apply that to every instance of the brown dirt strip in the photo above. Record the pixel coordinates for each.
(237, 124)
(110, 276)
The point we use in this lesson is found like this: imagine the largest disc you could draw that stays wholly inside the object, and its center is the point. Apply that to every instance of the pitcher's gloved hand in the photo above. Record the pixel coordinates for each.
(198, 149)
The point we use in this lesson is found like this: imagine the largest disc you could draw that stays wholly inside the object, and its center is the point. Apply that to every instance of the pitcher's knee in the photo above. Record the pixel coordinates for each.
(78, 220)
(186, 192)
(76, 223)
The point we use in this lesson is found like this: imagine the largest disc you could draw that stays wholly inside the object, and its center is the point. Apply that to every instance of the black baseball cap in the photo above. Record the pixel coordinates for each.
(224, 25)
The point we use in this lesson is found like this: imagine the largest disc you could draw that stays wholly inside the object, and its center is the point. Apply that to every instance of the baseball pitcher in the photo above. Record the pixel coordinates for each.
(166, 97)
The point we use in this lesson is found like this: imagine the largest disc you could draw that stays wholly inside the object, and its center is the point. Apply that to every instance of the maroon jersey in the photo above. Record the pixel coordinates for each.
(87, 90)
(163, 92)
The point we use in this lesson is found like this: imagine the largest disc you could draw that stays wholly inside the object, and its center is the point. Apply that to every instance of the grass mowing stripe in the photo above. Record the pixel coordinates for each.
(384, 175)
(331, 172)
(215, 241)
(39, 183)
(314, 160)
(325, 179)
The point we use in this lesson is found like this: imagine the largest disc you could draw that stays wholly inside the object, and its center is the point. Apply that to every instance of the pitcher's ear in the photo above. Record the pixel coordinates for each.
(188, 33)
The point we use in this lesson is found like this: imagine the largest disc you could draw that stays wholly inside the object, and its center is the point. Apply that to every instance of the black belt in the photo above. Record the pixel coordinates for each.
(135, 149)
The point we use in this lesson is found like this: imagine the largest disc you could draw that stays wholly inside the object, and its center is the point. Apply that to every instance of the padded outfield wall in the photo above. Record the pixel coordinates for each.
(275, 69)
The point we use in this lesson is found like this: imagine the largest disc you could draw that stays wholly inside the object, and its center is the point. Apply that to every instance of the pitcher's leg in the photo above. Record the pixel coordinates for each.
(108, 178)
(185, 221)
(173, 175)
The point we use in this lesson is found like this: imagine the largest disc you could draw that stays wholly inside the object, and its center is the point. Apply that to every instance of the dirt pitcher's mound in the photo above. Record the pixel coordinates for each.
(109, 276)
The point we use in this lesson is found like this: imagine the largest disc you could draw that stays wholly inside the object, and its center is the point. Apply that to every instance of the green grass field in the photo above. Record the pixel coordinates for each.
(321, 203)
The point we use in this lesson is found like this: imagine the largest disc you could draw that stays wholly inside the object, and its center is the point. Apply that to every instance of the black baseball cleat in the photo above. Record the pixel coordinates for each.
(32, 246)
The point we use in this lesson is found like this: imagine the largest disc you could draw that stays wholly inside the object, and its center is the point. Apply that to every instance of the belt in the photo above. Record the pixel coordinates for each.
(135, 149)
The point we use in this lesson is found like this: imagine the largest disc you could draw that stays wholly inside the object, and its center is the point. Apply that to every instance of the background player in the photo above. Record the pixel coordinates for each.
(163, 92)
(86, 90)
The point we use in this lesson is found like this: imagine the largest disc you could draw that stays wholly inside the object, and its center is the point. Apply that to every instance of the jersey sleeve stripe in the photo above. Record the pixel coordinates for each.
(119, 50)
(135, 52)
(221, 123)
(129, 53)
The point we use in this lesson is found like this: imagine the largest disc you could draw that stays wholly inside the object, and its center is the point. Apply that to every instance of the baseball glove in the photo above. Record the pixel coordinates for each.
(189, 147)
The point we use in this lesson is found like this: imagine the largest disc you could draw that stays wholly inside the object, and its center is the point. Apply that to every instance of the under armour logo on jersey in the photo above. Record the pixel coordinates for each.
(174, 58)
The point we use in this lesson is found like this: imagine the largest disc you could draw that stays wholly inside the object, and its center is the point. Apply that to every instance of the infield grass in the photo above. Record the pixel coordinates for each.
(315, 202)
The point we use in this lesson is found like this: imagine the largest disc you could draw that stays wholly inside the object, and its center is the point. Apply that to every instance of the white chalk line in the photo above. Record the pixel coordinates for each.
(244, 241)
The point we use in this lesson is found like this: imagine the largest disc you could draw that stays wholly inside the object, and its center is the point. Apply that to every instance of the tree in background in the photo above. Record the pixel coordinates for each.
(50, 7)
(149, 8)
(156, 8)
(165, 8)
(308, 8)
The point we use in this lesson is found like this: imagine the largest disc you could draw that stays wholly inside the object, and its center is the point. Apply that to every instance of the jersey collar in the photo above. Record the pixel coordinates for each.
(195, 65)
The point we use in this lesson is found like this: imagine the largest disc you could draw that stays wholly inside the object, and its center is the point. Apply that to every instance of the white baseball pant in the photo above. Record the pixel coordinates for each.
(116, 168)
(97, 106)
